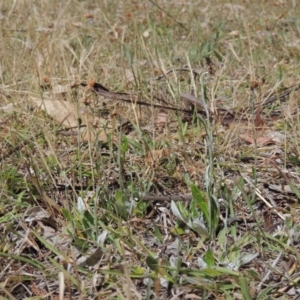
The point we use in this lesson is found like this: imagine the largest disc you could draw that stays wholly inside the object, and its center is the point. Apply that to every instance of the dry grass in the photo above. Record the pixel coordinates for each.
(107, 199)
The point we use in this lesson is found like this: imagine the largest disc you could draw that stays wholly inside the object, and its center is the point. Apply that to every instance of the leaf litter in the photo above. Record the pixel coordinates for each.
(111, 214)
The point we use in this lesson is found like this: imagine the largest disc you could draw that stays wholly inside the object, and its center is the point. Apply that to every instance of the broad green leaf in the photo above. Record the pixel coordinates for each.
(176, 211)
(198, 226)
(197, 195)
(209, 258)
(157, 233)
(67, 214)
(247, 257)
(201, 263)
(152, 263)
(137, 271)
(177, 231)
(80, 205)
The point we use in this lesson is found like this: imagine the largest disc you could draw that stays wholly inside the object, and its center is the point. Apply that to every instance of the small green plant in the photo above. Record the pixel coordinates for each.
(93, 216)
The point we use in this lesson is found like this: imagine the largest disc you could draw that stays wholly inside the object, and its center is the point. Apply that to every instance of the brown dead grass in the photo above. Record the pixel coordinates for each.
(107, 152)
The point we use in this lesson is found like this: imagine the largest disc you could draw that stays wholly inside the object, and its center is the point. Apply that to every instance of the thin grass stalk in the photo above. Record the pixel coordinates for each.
(209, 173)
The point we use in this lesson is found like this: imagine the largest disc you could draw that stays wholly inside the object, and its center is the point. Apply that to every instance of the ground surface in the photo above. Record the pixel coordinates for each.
(149, 150)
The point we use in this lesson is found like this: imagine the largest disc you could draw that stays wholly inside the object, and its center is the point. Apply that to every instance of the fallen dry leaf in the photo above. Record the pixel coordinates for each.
(37, 291)
(234, 33)
(89, 16)
(62, 111)
(62, 90)
(94, 258)
(68, 114)
(90, 84)
(129, 76)
(261, 141)
(146, 33)
(161, 119)
(258, 121)
(46, 79)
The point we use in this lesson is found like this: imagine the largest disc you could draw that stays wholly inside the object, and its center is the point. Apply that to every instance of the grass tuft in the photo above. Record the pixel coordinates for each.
(149, 150)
